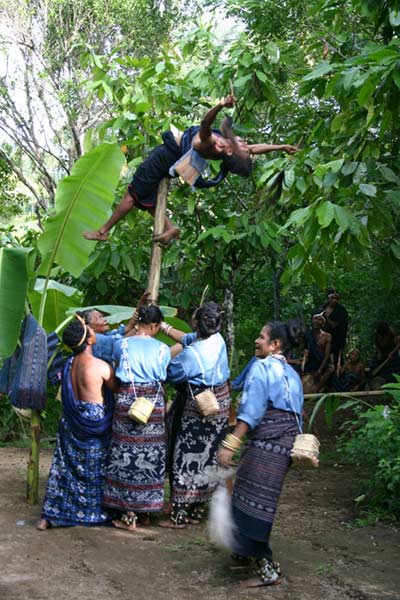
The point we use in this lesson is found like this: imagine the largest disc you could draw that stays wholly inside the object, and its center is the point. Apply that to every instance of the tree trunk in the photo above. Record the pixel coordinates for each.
(32, 492)
(156, 251)
(280, 267)
(229, 322)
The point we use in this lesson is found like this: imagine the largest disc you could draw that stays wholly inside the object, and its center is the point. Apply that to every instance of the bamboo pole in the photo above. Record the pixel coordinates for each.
(156, 251)
(347, 394)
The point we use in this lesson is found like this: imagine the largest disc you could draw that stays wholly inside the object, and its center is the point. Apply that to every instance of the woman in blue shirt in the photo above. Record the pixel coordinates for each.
(136, 471)
(270, 415)
(202, 364)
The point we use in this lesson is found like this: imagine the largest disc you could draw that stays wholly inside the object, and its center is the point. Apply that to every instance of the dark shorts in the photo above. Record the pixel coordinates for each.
(144, 185)
(143, 204)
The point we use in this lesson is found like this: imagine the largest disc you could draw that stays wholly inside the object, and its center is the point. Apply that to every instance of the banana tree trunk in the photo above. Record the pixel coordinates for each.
(156, 252)
(33, 464)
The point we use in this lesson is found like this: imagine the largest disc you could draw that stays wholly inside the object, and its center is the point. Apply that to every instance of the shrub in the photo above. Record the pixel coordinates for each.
(373, 441)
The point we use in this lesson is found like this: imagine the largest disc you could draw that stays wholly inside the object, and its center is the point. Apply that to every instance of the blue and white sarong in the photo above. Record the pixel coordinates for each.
(74, 493)
(136, 470)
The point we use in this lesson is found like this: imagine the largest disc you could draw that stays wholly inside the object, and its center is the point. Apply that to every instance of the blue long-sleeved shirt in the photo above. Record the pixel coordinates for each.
(104, 346)
(148, 359)
(201, 362)
(270, 383)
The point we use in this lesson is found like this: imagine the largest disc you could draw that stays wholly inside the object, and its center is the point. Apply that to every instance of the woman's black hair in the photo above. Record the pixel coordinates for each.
(287, 333)
(73, 334)
(208, 318)
(150, 314)
(240, 165)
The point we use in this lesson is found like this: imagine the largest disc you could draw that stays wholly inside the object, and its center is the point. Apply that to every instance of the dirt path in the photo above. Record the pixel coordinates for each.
(323, 556)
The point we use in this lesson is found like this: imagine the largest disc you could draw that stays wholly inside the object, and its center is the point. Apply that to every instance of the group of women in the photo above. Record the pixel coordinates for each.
(107, 466)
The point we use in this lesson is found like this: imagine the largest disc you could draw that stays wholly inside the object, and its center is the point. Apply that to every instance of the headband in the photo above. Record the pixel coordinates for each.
(84, 331)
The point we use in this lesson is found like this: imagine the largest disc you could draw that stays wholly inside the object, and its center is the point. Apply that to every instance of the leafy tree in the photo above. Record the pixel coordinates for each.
(12, 201)
(43, 102)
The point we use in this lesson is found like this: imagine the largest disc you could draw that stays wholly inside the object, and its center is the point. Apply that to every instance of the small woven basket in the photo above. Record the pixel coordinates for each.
(305, 451)
(141, 410)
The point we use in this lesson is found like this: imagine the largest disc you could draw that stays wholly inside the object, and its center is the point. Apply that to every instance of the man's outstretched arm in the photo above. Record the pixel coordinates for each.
(265, 148)
(209, 118)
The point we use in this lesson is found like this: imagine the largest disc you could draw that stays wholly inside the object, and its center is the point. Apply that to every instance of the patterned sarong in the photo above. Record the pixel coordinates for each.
(259, 480)
(195, 460)
(74, 494)
(136, 471)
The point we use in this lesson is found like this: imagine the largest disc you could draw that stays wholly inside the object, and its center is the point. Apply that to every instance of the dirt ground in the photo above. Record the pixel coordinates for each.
(323, 555)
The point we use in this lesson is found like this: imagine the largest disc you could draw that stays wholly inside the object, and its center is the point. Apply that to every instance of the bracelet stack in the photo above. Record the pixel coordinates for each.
(135, 316)
(231, 442)
(165, 328)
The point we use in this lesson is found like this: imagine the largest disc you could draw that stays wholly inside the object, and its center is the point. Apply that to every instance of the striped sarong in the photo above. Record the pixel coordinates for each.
(136, 471)
(259, 481)
(195, 452)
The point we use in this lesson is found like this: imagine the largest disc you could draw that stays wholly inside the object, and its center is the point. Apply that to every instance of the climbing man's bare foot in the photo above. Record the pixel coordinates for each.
(97, 236)
(43, 525)
(169, 234)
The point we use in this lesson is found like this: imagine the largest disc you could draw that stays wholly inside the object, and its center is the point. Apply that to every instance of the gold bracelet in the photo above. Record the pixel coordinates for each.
(232, 442)
(224, 444)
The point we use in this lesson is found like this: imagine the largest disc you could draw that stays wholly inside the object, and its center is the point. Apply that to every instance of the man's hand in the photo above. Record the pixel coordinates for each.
(228, 102)
(144, 298)
(290, 149)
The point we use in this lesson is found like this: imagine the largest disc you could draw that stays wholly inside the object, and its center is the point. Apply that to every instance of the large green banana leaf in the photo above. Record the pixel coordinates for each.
(13, 284)
(83, 201)
(118, 314)
(59, 299)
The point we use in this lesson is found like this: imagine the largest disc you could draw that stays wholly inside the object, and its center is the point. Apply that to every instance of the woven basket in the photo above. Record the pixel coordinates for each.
(141, 410)
(207, 403)
(305, 451)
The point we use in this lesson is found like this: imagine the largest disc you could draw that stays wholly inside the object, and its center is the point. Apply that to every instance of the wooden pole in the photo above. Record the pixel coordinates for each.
(156, 251)
(346, 394)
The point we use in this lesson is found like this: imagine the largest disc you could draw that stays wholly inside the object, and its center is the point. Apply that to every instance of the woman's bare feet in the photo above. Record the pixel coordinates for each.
(169, 234)
(42, 525)
(133, 528)
(96, 236)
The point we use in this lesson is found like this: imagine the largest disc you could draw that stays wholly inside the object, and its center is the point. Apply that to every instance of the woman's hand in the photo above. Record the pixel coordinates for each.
(224, 457)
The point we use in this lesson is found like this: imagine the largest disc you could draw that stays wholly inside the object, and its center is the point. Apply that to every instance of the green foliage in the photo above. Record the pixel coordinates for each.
(373, 441)
(13, 286)
(12, 202)
(83, 201)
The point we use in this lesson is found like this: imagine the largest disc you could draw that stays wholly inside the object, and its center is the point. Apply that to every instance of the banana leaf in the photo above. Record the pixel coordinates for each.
(13, 285)
(83, 201)
(60, 297)
(118, 314)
